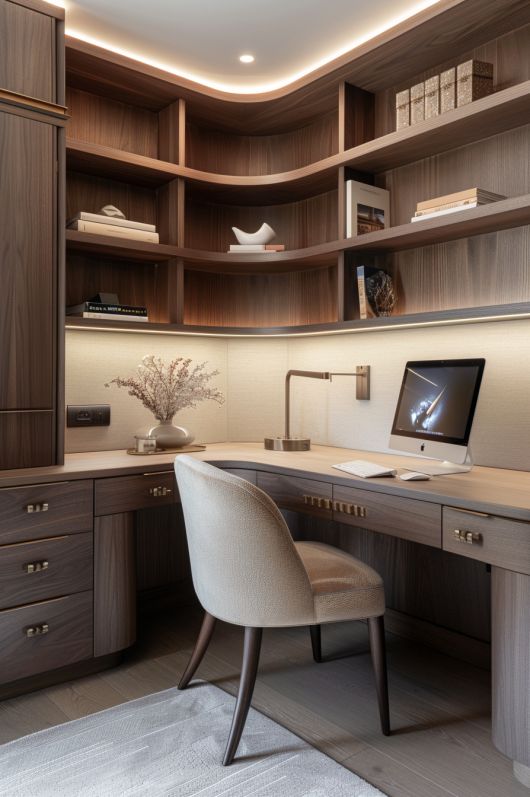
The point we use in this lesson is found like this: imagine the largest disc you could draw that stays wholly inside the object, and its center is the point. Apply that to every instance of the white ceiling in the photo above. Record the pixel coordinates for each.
(203, 39)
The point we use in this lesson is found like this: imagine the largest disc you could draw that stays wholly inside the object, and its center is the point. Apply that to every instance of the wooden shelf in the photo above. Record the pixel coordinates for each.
(467, 315)
(119, 247)
(497, 113)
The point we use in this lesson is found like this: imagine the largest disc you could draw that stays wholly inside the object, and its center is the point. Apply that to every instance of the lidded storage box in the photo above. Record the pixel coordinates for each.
(402, 109)
(474, 80)
(448, 90)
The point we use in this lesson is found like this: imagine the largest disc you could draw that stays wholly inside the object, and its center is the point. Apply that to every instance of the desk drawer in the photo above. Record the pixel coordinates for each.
(128, 493)
(65, 627)
(488, 538)
(406, 518)
(36, 571)
(45, 510)
(243, 473)
(298, 495)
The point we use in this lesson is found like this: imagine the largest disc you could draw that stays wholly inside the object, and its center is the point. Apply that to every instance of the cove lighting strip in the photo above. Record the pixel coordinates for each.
(262, 88)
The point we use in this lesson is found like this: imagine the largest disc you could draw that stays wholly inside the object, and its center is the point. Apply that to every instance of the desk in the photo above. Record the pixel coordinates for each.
(483, 515)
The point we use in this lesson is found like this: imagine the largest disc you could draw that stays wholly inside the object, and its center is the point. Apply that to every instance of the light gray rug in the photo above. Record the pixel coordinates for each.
(170, 744)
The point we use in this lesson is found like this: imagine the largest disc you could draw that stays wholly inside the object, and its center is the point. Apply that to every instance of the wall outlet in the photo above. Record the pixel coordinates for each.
(88, 415)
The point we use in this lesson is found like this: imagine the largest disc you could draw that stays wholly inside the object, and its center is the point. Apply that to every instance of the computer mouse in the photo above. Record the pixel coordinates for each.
(414, 476)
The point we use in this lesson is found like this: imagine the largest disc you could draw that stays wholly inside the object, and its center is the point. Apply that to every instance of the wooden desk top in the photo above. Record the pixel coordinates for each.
(493, 490)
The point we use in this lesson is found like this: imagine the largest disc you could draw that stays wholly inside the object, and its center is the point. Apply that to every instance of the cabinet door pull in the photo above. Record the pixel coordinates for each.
(469, 537)
(160, 492)
(41, 507)
(37, 630)
(36, 567)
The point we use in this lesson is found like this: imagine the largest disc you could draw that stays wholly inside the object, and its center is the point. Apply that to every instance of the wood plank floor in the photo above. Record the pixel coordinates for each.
(440, 707)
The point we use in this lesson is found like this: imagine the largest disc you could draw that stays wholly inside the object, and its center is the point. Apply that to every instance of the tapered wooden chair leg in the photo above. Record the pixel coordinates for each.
(376, 629)
(201, 645)
(316, 642)
(251, 650)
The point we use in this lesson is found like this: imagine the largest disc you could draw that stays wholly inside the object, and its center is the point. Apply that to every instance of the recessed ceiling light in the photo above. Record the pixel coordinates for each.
(246, 58)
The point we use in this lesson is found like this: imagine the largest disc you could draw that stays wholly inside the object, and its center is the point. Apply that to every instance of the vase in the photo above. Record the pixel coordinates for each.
(167, 435)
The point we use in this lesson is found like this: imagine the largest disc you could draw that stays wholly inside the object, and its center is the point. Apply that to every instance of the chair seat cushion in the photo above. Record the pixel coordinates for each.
(344, 588)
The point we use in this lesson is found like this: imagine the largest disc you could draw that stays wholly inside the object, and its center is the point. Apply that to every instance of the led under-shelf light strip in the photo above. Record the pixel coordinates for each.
(262, 88)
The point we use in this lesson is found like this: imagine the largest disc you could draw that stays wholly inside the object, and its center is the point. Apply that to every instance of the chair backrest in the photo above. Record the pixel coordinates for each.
(246, 569)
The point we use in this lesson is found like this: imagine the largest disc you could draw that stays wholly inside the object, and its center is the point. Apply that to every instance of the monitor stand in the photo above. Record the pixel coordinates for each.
(438, 468)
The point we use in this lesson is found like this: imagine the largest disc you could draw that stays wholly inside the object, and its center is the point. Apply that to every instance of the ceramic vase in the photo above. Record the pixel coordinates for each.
(167, 435)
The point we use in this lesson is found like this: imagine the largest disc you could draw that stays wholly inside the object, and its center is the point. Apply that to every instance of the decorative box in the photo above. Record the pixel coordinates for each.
(474, 79)
(448, 90)
(432, 97)
(417, 103)
(402, 109)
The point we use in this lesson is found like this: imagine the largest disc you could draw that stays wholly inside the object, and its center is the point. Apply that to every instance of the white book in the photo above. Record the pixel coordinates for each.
(367, 208)
(437, 213)
(117, 232)
(112, 220)
(114, 316)
(251, 249)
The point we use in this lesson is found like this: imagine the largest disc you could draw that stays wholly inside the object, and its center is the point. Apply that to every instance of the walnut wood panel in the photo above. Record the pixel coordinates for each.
(27, 439)
(511, 664)
(170, 132)
(356, 116)
(27, 165)
(27, 60)
(171, 212)
(105, 161)
(23, 515)
(127, 493)
(497, 541)
(260, 300)
(243, 473)
(100, 120)
(417, 521)
(290, 492)
(224, 153)
(69, 638)
(84, 192)
(136, 283)
(114, 583)
(69, 569)
(297, 224)
(161, 548)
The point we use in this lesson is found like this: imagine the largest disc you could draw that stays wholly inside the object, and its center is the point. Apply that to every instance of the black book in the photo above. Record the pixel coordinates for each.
(110, 309)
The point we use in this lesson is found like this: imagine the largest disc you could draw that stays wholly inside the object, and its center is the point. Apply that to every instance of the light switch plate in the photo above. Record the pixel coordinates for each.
(88, 415)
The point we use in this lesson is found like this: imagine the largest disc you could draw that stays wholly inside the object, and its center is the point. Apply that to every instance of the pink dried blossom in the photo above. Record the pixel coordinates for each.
(167, 389)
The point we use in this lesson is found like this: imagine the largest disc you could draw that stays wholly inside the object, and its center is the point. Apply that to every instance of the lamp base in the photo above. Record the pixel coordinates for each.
(287, 443)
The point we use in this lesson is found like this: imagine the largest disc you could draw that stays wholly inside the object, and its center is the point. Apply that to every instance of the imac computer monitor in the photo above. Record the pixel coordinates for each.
(435, 410)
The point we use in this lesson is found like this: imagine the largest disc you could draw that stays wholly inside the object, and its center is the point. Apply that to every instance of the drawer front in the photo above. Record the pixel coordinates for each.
(488, 538)
(296, 494)
(243, 473)
(128, 493)
(36, 571)
(45, 510)
(44, 636)
(406, 518)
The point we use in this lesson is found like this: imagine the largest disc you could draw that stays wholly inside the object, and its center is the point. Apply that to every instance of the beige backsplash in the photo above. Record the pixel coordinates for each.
(252, 373)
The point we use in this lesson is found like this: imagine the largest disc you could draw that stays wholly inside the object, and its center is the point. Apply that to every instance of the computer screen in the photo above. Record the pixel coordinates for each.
(436, 405)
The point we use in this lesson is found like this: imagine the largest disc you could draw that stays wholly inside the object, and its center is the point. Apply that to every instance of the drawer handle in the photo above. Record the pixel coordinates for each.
(36, 567)
(42, 507)
(350, 509)
(470, 537)
(37, 630)
(160, 492)
(317, 501)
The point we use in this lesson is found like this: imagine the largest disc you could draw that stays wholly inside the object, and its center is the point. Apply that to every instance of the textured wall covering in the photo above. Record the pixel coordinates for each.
(252, 373)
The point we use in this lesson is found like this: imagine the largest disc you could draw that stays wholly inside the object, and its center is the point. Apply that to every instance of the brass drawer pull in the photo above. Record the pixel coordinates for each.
(160, 492)
(37, 630)
(317, 501)
(36, 567)
(43, 507)
(470, 537)
(350, 509)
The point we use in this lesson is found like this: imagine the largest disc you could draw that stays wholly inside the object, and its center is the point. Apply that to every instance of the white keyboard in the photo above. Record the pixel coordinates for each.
(365, 469)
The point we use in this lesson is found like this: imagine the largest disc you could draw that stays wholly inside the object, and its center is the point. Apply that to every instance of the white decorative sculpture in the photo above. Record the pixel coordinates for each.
(264, 235)
(112, 211)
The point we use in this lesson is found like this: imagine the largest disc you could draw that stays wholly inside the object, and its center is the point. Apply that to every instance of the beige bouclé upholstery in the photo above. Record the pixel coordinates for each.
(248, 571)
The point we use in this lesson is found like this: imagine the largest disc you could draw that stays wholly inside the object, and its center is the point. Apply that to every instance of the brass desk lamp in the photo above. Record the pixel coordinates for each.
(288, 443)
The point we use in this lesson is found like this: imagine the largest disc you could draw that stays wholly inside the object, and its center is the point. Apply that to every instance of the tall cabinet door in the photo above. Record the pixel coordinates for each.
(27, 298)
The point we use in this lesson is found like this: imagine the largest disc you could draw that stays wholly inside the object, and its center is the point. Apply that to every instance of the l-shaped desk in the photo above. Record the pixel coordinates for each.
(67, 552)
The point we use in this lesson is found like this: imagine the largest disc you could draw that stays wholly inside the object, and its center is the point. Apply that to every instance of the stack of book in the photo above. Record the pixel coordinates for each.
(112, 225)
(108, 312)
(256, 248)
(451, 203)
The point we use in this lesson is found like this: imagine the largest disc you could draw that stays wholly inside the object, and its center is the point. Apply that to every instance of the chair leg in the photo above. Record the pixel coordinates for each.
(316, 642)
(251, 651)
(376, 629)
(201, 645)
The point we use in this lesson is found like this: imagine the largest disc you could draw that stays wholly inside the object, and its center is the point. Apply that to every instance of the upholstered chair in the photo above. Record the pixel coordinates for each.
(248, 571)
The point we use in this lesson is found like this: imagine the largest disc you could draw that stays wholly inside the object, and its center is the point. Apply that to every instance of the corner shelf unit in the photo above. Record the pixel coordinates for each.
(158, 152)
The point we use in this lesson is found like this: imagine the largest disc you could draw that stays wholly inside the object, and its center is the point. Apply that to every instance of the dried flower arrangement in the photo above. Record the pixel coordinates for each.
(166, 389)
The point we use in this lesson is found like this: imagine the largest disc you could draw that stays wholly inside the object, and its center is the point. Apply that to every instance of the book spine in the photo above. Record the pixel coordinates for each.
(435, 214)
(349, 210)
(448, 205)
(114, 316)
(361, 287)
(115, 232)
(98, 218)
(93, 307)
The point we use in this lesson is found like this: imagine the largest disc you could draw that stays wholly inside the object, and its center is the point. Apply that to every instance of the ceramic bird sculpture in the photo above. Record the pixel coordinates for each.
(264, 235)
